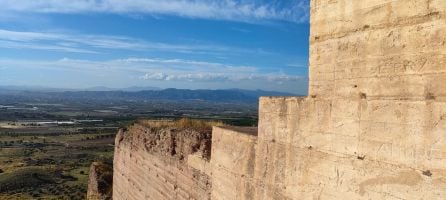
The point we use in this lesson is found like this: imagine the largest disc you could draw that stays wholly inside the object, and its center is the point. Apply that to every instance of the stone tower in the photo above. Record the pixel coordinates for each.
(374, 123)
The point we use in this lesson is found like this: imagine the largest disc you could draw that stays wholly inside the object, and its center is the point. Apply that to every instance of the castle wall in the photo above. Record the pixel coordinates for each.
(372, 127)
(374, 123)
(314, 157)
(142, 173)
(232, 161)
(384, 49)
(100, 181)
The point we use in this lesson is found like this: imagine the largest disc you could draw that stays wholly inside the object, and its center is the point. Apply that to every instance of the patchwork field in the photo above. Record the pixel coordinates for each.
(50, 162)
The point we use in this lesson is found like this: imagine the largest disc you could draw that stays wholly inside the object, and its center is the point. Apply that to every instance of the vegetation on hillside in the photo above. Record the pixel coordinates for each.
(183, 123)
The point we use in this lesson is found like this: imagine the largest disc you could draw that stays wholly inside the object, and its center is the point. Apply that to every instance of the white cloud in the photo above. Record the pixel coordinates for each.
(191, 77)
(154, 69)
(155, 76)
(82, 43)
(181, 64)
(18, 45)
(235, 10)
(295, 65)
(240, 30)
(65, 42)
(221, 77)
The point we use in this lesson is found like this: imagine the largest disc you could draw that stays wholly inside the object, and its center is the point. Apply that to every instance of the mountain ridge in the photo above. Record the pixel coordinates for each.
(169, 94)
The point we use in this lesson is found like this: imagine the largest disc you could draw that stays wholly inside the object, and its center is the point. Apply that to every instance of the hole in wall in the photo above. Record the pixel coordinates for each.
(427, 173)
(363, 95)
(430, 96)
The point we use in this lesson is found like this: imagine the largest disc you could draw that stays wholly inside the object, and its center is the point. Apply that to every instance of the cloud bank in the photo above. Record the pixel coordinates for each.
(234, 10)
(156, 70)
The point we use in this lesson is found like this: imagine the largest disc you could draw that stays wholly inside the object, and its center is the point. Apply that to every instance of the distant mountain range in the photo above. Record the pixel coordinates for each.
(136, 94)
(98, 88)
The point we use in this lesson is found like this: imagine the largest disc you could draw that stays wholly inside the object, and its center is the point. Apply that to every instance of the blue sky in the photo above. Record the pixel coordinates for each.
(194, 44)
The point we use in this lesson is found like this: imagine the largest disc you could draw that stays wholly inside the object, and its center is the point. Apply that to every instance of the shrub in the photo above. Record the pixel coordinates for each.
(184, 123)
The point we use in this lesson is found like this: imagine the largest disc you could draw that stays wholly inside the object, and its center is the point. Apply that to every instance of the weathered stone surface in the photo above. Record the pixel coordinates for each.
(100, 183)
(232, 162)
(151, 163)
(377, 149)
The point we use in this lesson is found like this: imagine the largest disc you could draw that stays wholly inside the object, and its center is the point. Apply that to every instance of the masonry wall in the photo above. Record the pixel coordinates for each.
(100, 182)
(151, 163)
(385, 49)
(316, 157)
(381, 66)
(233, 162)
(374, 124)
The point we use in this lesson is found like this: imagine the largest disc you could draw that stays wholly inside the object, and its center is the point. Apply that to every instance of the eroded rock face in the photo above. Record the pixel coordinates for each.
(100, 183)
(170, 142)
(151, 163)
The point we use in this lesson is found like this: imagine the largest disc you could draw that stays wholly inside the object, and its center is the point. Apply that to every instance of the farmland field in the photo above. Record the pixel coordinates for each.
(51, 162)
